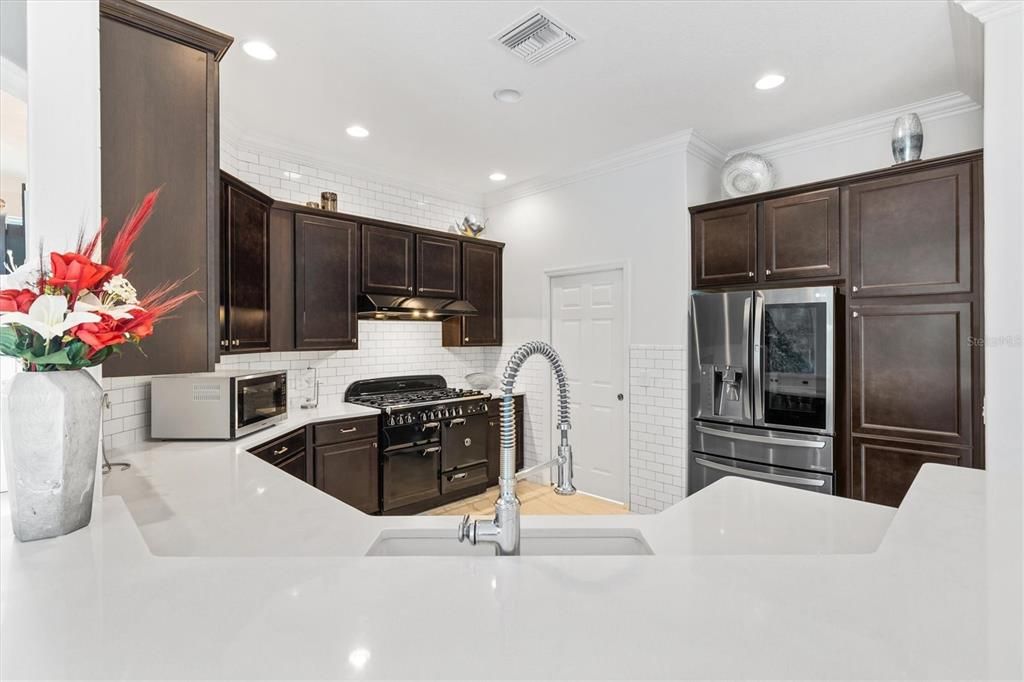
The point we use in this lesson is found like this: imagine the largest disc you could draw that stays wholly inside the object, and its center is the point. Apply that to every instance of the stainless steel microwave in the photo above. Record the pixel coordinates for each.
(217, 405)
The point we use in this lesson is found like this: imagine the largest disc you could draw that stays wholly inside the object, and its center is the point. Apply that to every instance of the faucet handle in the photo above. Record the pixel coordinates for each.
(465, 529)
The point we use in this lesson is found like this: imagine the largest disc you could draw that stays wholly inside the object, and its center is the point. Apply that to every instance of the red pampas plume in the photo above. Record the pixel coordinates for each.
(155, 306)
(120, 251)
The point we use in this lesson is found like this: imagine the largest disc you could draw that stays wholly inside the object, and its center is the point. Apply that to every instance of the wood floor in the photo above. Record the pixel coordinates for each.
(536, 499)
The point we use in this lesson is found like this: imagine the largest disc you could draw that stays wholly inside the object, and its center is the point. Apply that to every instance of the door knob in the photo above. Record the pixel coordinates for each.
(619, 397)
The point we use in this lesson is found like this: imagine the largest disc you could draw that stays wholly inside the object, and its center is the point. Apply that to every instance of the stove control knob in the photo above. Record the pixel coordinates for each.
(408, 418)
(391, 420)
(460, 411)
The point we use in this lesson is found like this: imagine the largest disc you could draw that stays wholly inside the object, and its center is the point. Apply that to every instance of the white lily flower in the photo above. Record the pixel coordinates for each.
(48, 316)
(25, 276)
(90, 303)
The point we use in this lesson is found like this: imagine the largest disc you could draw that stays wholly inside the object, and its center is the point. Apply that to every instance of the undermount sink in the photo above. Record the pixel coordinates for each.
(534, 542)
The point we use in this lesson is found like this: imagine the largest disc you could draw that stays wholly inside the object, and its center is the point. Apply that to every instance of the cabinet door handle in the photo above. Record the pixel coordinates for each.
(355, 341)
(855, 289)
(349, 430)
(281, 451)
(856, 314)
(750, 274)
(767, 272)
(466, 340)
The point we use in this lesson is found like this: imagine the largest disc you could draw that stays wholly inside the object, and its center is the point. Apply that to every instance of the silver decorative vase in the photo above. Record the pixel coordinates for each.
(53, 420)
(907, 138)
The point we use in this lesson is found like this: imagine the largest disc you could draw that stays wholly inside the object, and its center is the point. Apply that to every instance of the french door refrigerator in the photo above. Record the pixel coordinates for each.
(762, 387)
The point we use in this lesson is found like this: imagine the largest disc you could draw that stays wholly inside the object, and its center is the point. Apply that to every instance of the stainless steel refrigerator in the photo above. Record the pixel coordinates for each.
(763, 386)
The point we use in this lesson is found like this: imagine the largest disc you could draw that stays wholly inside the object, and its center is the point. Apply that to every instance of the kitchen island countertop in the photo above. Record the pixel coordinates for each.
(204, 561)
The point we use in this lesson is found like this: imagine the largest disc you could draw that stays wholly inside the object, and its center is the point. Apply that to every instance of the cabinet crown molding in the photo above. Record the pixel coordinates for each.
(167, 25)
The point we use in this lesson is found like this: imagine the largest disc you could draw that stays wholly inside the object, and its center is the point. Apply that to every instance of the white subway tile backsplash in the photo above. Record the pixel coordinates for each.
(657, 427)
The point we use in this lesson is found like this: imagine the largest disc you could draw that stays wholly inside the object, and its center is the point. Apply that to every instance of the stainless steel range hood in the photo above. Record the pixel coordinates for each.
(424, 308)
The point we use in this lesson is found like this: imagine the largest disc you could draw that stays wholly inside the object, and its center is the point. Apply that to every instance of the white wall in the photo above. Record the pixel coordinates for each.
(62, 39)
(952, 123)
(638, 214)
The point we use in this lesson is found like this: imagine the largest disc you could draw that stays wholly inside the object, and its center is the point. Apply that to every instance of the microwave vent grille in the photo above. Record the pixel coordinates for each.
(206, 393)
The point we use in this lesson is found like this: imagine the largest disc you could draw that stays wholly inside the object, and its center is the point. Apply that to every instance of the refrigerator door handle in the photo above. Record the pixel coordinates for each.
(763, 475)
(767, 440)
(757, 333)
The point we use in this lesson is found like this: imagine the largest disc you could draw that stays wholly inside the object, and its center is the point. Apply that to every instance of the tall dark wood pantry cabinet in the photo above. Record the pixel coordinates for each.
(159, 126)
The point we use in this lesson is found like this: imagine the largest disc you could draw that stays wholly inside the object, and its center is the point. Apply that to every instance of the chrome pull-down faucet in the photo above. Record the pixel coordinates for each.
(503, 529)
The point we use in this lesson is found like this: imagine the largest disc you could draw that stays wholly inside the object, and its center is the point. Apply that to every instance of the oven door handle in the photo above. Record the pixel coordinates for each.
(456, 422)
(749, 473)
(431, 451)
(767, 440)
(431, 425)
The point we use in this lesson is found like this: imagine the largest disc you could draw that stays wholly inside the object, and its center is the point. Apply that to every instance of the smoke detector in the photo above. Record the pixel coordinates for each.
(536, 38)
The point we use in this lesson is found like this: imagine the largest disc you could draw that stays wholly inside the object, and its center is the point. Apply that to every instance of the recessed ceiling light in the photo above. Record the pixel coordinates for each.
(508, 95)
(357, 131)
(769, 81)
(497, 176)
(257, 49)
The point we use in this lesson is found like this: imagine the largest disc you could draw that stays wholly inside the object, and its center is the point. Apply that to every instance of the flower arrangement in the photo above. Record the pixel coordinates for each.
(75, 312)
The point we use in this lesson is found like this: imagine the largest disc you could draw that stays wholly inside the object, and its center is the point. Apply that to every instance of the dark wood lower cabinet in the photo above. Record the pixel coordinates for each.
(350, 472)
(882, 471)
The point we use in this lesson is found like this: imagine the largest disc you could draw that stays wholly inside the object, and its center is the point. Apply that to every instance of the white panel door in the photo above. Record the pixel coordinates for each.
(587, 330)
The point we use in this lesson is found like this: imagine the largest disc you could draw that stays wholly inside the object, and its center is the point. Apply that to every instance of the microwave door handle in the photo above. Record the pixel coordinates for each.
(757, 357)
(763, 475)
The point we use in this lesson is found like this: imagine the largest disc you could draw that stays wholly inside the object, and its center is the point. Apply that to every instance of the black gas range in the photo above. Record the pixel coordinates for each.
(433, 439)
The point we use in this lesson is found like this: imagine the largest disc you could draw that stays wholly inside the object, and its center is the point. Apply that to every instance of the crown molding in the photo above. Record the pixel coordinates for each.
(853, 129)
(703, 149)
(677, 143)
(234, 134)
(986, 10)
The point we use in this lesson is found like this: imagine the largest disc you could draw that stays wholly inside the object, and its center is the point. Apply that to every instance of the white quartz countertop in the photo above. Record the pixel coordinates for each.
(204, 561)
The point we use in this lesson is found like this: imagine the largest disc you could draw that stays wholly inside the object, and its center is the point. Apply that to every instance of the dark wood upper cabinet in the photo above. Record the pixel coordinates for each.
(438, 267)
(725, 246)
(326, 281)
(282, 280)
(911, 371)
(882, 471)
(481, 286)
(388, 261)
(349, 472)
(245, 267)
(801, 236)
(911, 233)
(159, 120)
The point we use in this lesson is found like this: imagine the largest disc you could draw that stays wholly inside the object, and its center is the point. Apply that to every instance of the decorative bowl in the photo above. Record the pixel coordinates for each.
(747, 173)
(481, 381)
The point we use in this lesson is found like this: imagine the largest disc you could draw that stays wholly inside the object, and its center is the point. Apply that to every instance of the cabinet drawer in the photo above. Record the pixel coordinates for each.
(284, 447)
(460, 479)
(344, 431)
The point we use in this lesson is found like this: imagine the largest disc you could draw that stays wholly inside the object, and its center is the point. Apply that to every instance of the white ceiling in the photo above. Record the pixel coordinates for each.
(420, 77)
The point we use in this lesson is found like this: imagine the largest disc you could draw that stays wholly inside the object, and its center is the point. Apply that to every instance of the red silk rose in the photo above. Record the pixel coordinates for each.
(99, 335)
(16, 300)
(75, 271)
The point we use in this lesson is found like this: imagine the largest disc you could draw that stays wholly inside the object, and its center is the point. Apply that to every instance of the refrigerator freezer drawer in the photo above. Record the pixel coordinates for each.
(811, 452)
(706, 469)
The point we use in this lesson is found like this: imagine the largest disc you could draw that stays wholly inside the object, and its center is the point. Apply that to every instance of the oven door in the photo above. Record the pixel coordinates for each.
(410, 475)
(794, 359)
(706, 469)
(259, 402)
(464, 440)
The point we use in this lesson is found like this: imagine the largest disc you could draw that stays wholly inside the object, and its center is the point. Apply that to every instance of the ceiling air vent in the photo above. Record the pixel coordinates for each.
(536, 38)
